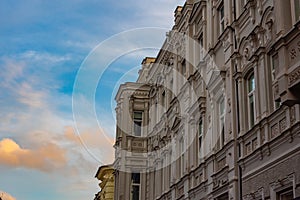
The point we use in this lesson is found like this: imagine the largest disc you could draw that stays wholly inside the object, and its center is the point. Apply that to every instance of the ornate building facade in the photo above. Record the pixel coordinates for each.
(105, 174)
(216, 114)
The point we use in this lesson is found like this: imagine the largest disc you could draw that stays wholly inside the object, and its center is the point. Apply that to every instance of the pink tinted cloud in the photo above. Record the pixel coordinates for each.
(92, 139)
(6, 196)
(46, 158)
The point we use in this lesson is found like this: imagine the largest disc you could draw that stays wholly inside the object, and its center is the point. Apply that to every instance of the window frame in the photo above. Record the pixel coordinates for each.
(295, 6)
(181, 155)
(274, 68)
(221, 17)
(133, 184)
(200, 137)
(222, 113)
(251, 86)
(201, 45)
(137, 120)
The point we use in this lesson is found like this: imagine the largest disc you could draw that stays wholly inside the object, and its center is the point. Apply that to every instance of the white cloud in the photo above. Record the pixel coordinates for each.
(30, 97)
(44, 57)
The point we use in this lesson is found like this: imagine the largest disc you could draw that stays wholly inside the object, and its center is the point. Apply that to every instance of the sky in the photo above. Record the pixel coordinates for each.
(61, 63)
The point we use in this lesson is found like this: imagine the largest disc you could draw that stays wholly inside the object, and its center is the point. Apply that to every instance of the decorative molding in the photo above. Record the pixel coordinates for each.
(294, 76)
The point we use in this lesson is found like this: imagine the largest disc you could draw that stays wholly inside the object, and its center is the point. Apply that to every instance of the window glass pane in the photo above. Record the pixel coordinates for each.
(274, 66)
(200, 133)
(251, 83)
(221, 14)
(135, 192)
(277, 104)
(251, 107)
(200, 40)
(297, 10)
(200, 127)
(286, 195)
(200, 144)
(135, 177)
(138, 115)
(222, 135)
(137, 122)
(137, 128)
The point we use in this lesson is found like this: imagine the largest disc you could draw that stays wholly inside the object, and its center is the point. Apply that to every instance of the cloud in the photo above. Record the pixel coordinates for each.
(45, 48)
(21, 85)
(6, 196)
(44, 57)
(30, 97)
(93, 141)
(46, 158)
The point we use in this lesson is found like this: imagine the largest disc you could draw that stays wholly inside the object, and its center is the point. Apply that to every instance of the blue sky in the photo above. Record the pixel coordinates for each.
(46, 47)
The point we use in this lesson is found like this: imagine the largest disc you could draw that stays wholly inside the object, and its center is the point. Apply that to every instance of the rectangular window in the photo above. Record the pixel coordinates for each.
(181, 154)
(221, 17)
(295, 4)
(251, 100)
(285, 195)
(200, 135)
(275, 64)
(135, 186)
(137, 120)
(297, 10)
(222, 121)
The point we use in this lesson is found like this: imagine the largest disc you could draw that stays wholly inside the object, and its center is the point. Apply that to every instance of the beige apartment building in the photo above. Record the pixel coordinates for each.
(216, 114)
(105, 175)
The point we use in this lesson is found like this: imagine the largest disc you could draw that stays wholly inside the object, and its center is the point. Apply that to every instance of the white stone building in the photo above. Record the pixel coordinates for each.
(216, 114)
